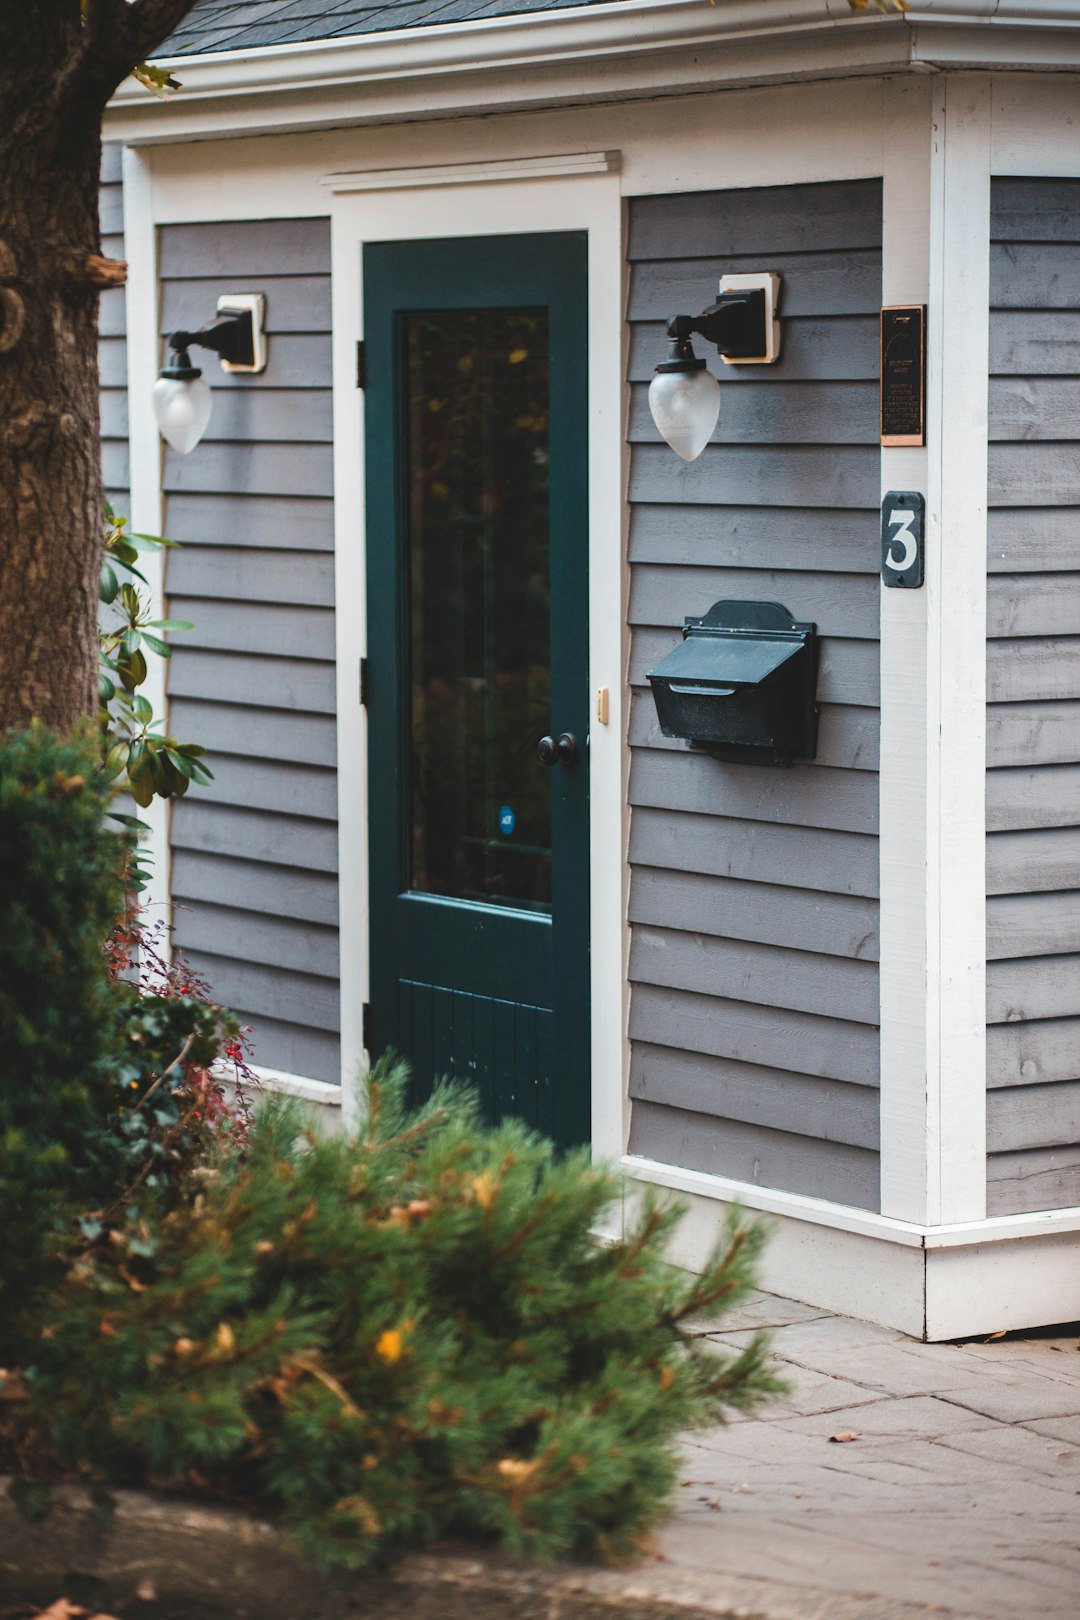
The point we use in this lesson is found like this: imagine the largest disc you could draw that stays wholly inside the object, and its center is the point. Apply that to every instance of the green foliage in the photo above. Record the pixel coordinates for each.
(132, 744)
(394, 1338)
(105, 1093)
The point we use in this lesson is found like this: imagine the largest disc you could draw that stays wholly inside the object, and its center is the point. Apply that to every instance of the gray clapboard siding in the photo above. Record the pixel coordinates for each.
(753, 900)
(1048, 1178)
(846, 736)
(827, 1109)
(802, 795)
(1034, 408)
(1033, 539)
(1046, 796)
(289, 577)
(112, 344)
(271, 415)
(252, 936)
(1041, 1053)
(838, 217)
(266, 247)
(1033, 605)
(1034, 474)
(299, 303)
(1032, 988)
(837, 924)
(272, 683)
(811, 286)
(259, 469)
(765, 475)
(252, 835)
(266, 522)
(841, 605)
(755, 1154)
(287, 789)
(830, 1048)
(1033, 344)
(1036, 275)
(251, 733)
(1026, 1117)
(255, 853)
(297, 631)
(1023, 925)
(836, 350)
(767, 975)
(1044, 667)
(760, 852)
(250, 886)
(848, 671)
(1033, 733)
(787, 413)
(755, 537)
(1032, 861)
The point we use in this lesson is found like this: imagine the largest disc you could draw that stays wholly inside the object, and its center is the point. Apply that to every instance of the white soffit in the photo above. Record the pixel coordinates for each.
(604, 51)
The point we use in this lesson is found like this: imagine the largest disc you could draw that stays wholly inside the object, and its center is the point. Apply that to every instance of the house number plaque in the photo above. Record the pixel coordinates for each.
(903, 374)
(902, 539)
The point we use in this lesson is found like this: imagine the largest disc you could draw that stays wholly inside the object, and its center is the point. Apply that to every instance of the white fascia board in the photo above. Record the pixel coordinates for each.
(614, 50)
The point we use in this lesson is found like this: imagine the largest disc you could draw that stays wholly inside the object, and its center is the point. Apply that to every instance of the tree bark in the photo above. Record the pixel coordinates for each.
(50, 473)
(59, 63)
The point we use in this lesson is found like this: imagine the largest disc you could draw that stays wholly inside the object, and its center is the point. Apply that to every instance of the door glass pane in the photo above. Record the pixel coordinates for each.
(479, 604)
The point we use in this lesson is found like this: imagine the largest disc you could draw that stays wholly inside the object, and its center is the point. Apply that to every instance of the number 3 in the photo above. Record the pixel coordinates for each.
(902, 518)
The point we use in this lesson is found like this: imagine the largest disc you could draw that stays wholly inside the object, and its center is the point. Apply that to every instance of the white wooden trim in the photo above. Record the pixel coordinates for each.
(743, 138)
(298, 1085)
(912, 108)
(956, 624)
(350, 597)
(146, 461)
(590, 203)
(1013, 1271)
(621, 49)
(470, 174)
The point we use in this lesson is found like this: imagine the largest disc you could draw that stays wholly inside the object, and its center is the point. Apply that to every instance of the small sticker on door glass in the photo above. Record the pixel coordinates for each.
(507, 821)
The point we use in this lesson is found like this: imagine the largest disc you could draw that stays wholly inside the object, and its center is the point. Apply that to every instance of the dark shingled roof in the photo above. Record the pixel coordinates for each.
(236, 25)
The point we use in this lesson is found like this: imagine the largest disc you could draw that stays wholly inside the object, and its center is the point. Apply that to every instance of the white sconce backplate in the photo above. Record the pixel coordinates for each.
(768, 282)
(253, 304)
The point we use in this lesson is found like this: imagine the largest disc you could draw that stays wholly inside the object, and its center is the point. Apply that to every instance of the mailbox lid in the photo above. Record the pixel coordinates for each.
(732, 659)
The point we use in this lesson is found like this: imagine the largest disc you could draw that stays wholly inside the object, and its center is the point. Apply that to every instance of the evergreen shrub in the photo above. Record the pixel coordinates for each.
(396, 1337)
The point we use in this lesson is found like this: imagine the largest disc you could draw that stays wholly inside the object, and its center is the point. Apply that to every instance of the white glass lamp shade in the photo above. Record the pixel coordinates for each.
(182, 408)
(685, 406)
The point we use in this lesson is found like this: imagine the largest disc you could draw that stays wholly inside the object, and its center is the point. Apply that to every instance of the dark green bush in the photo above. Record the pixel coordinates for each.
(398, 1337)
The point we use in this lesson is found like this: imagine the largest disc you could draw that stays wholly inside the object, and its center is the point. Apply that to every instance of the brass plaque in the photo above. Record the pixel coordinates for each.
(903, 374)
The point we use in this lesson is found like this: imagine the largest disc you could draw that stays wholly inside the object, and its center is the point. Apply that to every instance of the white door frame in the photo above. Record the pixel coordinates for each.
(576, 193)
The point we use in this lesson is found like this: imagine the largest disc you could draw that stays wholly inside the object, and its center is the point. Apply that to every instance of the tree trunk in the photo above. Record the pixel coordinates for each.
(50, 471)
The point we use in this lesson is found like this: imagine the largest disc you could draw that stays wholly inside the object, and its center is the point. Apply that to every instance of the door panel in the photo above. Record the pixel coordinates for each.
(477, 546)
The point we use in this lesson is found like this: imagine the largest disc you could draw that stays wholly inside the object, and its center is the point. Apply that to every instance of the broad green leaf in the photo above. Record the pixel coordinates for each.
(110, 585)
(156, 645)
(170, 624)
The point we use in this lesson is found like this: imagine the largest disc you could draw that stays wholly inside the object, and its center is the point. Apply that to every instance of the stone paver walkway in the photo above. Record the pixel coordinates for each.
(957, 1489)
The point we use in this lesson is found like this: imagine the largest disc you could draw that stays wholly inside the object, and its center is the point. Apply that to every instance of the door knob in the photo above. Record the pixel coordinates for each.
(560, 750)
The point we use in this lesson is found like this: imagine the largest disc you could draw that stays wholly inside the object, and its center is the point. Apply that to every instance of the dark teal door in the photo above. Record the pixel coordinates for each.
(477, 558)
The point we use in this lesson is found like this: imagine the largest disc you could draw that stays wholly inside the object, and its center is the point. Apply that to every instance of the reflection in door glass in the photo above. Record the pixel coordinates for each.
(479, 604)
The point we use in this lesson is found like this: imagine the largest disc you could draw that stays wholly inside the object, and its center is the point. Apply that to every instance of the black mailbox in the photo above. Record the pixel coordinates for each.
(741, 684)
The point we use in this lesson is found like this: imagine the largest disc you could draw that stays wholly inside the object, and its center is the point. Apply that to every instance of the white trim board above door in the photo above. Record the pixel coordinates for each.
(584, 202)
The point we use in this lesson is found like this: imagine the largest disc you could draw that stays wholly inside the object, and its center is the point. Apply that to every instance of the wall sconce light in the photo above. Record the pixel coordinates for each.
(684, 397)
(181, 397)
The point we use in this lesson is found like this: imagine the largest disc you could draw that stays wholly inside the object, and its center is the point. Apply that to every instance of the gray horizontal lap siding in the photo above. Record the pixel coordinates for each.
(255, 854)
(753, 901)
(112, 341)
(1033, 713)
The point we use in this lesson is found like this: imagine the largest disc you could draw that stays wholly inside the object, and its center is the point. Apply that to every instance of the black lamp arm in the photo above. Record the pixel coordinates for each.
(232, 337)
(735, 324)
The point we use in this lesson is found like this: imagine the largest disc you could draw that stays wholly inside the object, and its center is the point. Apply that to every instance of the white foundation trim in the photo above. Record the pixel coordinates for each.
(465, 174)
(298, 1085)
(943, 1284)
(588, 203)
(147, 504)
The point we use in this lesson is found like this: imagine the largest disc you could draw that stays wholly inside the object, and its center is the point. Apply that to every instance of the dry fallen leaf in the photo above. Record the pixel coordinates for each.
(842, 1439)
(146, 1592)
